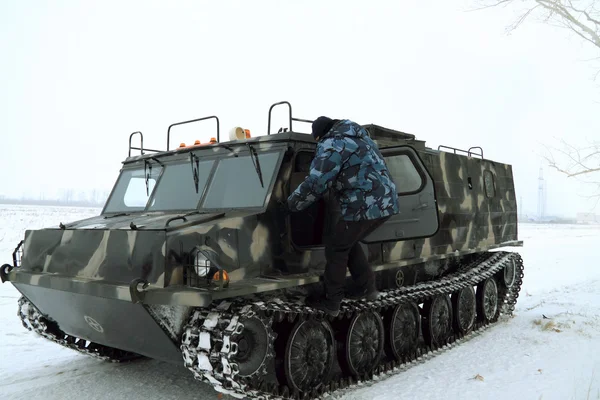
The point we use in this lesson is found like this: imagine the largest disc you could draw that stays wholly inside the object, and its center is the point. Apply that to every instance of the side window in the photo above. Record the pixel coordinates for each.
(488, 181)
(404, 173)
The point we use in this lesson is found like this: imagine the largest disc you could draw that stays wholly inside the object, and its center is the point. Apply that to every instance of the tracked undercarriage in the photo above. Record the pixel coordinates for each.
(231, 344)
(274, 347)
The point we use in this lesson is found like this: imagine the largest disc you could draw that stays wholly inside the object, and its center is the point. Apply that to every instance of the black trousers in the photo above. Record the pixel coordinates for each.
(343, 250)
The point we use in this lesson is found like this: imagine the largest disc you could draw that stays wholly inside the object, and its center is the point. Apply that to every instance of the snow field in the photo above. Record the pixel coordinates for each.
(550, 349)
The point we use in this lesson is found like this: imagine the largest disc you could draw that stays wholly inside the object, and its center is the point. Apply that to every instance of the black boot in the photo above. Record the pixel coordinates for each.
(365, 292)
(329, 306)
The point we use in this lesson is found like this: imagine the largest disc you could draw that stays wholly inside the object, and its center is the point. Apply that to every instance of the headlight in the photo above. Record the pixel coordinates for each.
(201, 264)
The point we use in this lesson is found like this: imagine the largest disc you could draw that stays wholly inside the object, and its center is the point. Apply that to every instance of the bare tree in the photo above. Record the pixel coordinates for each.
(581, 17)
(578, 162)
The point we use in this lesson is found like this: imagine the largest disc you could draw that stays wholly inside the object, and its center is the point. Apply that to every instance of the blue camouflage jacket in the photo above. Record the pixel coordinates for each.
(349, 162)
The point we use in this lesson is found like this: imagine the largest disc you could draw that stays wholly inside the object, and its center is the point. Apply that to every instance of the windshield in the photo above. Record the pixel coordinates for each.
(130, 192)
(235, 183)
(177, 190)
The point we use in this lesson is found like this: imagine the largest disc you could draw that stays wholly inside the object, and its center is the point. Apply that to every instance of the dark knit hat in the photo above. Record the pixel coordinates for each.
(321, 126)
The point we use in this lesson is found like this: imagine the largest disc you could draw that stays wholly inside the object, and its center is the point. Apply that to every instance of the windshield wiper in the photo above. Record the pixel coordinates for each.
(147, 175)
(116, 215)
(228, 147)
(148, 167)
(193, 158)
(256, 163)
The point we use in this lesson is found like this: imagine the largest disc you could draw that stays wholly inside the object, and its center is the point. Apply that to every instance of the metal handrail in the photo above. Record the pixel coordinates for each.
(141, 148)
(469, 152)
(290, 117)
(187, 122)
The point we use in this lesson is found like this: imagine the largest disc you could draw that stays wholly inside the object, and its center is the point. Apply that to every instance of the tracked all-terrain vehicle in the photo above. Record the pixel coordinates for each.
(193, 261)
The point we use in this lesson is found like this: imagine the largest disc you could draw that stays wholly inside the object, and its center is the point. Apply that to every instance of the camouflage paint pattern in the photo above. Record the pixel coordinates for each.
(103, 255)
(96, 267)
(469, 219)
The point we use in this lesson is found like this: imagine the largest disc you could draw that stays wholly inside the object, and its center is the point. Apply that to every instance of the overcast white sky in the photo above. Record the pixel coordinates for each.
(78, 77)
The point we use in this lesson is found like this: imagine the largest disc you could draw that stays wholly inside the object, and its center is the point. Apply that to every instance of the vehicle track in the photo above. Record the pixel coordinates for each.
(210, 340)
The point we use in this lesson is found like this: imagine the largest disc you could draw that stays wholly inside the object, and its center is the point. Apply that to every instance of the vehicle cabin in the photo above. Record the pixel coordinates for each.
(451, 201)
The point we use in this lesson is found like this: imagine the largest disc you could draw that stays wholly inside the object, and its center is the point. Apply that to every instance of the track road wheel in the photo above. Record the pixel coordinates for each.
(309, 355)
(487, 300)
(437, 320)
(464, 305)
(363, 344)
(402, 325)
(509, 275)
(254, 347)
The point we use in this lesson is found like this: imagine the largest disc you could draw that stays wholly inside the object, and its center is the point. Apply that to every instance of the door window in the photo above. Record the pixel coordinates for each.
(404, 173)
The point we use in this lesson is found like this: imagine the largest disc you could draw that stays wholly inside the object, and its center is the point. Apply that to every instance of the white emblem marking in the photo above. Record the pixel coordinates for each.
(93, 323)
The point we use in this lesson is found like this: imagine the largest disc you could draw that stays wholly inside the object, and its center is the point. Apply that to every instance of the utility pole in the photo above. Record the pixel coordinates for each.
(541, 195)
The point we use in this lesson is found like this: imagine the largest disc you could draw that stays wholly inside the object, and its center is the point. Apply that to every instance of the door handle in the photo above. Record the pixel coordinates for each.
(421, 206)
(406, 221)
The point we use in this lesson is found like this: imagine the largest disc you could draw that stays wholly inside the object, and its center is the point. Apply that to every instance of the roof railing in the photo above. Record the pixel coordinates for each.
(188, 122)
(290, 117)
(141, 148)
(469, 152)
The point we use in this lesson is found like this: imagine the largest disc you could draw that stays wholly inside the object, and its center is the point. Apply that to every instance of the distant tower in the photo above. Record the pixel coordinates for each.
(541, 195)
(521, 207)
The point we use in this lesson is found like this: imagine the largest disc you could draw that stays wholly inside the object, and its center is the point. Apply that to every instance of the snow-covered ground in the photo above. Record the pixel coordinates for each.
(549, 350)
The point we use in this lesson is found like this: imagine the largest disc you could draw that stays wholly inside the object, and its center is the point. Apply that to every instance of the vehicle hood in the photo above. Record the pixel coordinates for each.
(141, 221)
(109, 249)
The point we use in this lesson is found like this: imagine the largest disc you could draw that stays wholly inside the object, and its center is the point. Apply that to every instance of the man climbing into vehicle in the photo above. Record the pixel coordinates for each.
(349, 163)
